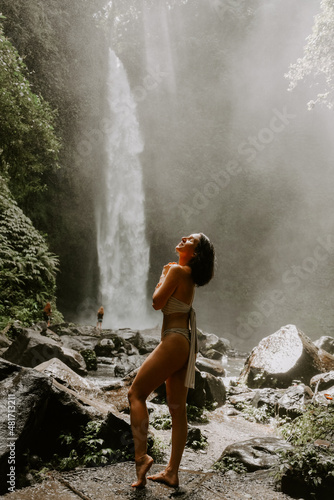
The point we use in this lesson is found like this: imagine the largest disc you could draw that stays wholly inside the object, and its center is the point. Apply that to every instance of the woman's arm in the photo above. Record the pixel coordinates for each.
(168, 282)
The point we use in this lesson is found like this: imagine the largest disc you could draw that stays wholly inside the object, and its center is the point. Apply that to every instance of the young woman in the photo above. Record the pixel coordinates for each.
(173, 360)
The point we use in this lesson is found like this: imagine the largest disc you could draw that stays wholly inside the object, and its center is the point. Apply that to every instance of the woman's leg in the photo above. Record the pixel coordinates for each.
(176, 399)
(170, 355)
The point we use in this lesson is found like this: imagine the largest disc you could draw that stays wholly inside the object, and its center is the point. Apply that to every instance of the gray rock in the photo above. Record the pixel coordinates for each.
(208, 389)
(31, 349)
(117, 435)
(325, 343)
(215, 391)
(43, 409)
(208, 341)
(105, 348)
(211, 366)
(293, 401)
(282, 357)
(79, 343)
(143, 344)
(323, 381)
(24, 396)
(112, 344)
(63, 374)
(4, 341)
(126, 364)
(257, 453)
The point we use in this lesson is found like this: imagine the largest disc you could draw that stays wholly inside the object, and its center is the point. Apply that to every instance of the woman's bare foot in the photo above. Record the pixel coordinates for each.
(143, 465)
(166, 477)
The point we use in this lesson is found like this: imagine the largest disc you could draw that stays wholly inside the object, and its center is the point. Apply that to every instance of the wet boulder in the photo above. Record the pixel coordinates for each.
(57, 370)
(293, 402)
(240, 396)
(268, 397)
(215, 391)
(117, 435)
(144, 344)
(256, 453)
(4, 341)
(126, 364)
(325, 343)
(31, 348)
(79, 343)
(323, 381)
(209, 343)
(24, 397)
(211, 366)
(283, 357)
(111, 345)
(208, 389)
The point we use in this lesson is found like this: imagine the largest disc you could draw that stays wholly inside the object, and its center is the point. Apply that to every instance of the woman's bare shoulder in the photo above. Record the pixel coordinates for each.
(181, 271)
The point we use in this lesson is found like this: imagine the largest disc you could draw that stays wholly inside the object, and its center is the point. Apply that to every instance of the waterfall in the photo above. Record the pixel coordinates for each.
(123, 252)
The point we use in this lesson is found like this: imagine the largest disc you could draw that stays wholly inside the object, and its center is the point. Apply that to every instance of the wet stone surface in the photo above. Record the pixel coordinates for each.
(114, 482)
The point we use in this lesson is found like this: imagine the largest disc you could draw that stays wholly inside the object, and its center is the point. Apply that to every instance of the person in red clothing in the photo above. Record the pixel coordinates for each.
(100, 314)
(47, 313)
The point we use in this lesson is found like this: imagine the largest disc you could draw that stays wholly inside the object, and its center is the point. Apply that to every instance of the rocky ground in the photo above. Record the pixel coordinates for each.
(42, 365)
(198, 481)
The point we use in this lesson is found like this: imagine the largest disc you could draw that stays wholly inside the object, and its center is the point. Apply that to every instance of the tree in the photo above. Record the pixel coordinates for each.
(318, 57)
(27, 267)
(28, 144)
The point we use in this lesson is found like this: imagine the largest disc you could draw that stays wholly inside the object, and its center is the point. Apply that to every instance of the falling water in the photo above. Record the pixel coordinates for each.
(123, 251)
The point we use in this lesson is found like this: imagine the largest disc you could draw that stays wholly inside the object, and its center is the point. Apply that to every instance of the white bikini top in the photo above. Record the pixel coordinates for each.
(174, 305)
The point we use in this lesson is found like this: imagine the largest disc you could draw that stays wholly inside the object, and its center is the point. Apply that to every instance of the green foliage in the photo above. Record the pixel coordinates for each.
(263, 414)
(310, 464)
(27, 267)
(86, 449)
(198, 444)
(318, 57)
(229, 463)
(162, 422)
(90, 358)
(196, 414)
(156, 449)
(317, 422)
(29, 146)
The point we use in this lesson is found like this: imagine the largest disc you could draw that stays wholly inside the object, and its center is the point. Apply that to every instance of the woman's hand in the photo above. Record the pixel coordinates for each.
(164, 273)
(167, 267)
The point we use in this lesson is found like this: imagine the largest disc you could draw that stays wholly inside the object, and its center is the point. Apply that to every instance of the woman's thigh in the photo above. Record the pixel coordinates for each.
(168, 357)
(176, 391)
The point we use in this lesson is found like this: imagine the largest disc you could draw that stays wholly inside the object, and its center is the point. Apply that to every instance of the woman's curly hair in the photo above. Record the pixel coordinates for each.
(202, 264)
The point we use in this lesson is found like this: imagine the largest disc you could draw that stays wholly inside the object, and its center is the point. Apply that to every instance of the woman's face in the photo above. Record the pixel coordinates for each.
(187, 245)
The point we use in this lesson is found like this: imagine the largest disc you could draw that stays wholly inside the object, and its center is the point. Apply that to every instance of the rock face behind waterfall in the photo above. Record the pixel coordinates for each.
(282, 357)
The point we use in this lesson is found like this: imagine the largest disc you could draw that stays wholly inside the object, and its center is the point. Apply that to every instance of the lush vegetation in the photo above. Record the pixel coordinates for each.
(27, 267)
(227, 463)
(317, 60)
(29, 145)
(310, 465)
(63, 47)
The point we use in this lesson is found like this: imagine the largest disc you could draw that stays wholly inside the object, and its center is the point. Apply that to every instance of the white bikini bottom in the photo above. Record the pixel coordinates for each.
(191, 336)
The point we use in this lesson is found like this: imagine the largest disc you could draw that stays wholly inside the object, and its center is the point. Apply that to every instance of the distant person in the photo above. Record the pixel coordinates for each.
(47, 313)
(100, 314)
(173, 360)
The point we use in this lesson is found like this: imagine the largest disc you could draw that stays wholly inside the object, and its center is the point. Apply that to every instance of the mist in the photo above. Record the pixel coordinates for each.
(230, 152)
